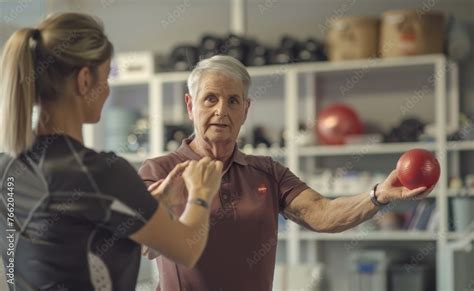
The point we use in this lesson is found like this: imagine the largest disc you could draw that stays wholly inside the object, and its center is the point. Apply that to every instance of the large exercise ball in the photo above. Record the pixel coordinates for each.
(335, 122)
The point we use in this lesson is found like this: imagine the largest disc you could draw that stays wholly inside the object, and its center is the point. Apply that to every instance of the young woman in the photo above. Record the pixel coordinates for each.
(73, 218)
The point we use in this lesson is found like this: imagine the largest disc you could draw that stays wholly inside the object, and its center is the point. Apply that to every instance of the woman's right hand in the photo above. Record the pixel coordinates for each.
(203, 178)
(171, 190)
(183, 240)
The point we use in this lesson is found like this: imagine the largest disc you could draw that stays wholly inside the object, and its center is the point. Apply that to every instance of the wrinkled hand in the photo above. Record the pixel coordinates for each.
(172, 189)
(203, 178)
(391, 190)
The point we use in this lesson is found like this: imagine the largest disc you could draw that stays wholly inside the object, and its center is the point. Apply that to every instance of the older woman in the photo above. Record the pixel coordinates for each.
(253, 192)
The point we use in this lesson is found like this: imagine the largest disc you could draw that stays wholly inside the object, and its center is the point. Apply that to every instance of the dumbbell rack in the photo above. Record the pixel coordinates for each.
(294, 79)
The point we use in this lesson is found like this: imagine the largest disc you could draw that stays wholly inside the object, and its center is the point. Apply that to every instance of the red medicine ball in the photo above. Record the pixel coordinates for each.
(335, 122)
(418, 168)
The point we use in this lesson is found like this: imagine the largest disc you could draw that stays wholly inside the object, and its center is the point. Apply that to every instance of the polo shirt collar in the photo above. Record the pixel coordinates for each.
(185, 150)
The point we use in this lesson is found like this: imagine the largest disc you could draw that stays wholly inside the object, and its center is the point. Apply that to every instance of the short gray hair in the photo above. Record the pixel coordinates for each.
(222, 64)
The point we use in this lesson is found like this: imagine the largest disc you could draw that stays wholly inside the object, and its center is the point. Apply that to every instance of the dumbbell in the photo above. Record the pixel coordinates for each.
(211, 45)
(410, 129)
(286, 52)
(259, 55)
(236, 47)
(183, 58)
(311, 50)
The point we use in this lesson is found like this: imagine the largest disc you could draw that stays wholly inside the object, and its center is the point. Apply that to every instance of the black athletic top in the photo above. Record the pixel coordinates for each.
(75, 209)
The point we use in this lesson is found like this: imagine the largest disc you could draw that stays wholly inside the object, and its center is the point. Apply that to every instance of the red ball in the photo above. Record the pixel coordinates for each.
(418, 168)
(335, 122)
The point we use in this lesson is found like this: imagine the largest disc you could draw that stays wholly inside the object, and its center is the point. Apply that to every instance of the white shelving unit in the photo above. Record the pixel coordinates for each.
(460, 146)
(445, 115)
(371, 236)
(370, 149)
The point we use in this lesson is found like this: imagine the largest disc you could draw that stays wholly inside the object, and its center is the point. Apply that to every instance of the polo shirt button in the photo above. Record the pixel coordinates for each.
(224, 196)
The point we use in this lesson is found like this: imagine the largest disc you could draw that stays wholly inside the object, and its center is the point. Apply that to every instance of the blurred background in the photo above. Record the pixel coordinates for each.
(374, 78)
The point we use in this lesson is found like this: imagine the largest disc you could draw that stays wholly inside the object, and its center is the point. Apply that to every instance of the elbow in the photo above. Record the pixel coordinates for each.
(329, 227)
(333, 230)
(335, 227)
(186, 259)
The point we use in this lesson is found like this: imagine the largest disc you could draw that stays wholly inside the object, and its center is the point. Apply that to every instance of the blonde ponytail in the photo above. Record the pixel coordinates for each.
(35, 65)
(17, 93)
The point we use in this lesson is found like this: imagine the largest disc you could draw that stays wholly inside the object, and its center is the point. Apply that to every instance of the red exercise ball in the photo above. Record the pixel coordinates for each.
(418, 168)
(335, 122)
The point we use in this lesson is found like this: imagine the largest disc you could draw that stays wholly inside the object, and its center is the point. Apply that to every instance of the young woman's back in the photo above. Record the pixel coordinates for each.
(58, 187)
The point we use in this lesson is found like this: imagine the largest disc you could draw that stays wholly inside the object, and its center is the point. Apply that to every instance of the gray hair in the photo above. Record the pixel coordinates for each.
(222, 64)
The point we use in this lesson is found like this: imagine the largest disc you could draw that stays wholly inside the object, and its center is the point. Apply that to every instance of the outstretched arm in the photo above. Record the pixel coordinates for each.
(315, 212)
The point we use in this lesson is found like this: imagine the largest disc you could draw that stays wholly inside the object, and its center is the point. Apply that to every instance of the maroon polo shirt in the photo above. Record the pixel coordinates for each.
(240, 252)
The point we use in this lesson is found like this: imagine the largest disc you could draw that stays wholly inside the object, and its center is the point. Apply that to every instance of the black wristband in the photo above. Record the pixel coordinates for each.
(200, 202)
(373, 197)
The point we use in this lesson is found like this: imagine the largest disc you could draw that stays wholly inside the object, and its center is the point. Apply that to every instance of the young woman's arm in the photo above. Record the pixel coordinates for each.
(183, 240)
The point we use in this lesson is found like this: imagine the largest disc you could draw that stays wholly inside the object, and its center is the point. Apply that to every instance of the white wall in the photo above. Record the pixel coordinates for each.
(160, 25)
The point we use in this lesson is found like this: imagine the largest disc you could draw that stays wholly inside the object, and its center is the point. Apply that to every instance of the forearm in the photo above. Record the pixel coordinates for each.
(168, 204)
(196, 220)
(192, 228)
(170, 201)
(312, 210)
(182, 241)
(185, 239)
(341, 213)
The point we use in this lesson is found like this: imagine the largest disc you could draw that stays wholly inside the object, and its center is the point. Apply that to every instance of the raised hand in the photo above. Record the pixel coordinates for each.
(203, 178)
